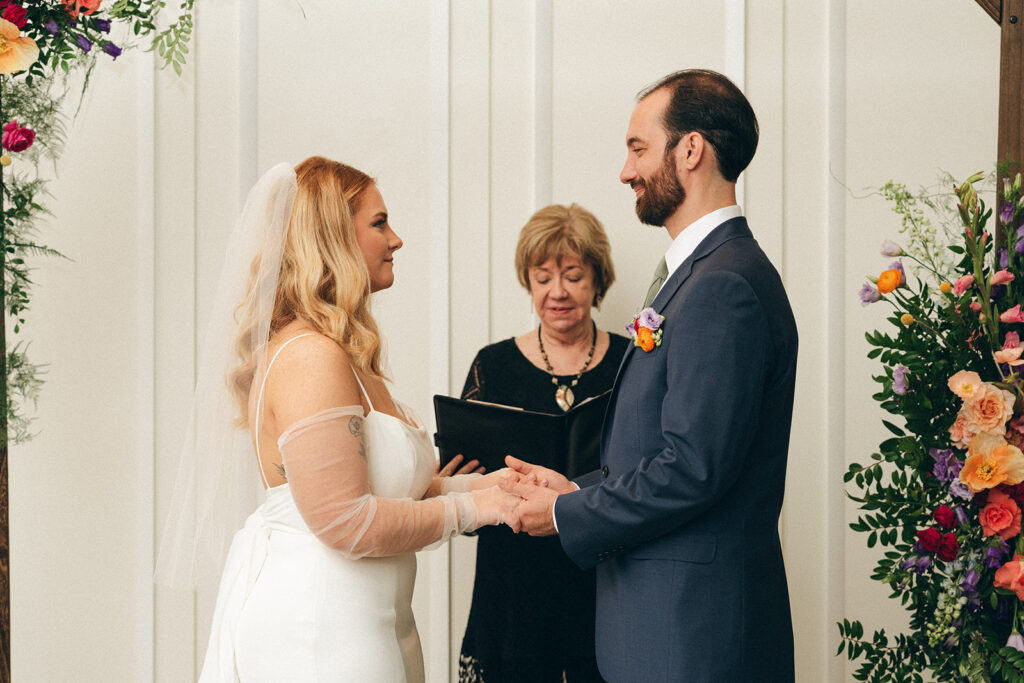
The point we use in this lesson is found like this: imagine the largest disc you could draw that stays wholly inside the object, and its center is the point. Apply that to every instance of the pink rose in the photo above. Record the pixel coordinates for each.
(963, 284)
(17, 139)
(959, 433)
(1001, 515)
(989, 409)
(1010, 576)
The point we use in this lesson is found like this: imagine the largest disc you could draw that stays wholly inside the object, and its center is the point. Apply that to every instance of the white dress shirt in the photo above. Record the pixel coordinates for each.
(681, 248)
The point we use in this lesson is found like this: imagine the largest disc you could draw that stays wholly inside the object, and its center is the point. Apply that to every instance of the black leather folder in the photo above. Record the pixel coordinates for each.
(568, 442)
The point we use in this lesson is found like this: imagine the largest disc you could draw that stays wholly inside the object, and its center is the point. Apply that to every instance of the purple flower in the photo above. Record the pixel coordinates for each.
(922, 564)
(947, 465)
(112, 50)
(899, 379)
(961, 516)
(1006, 216)
(995, 555)
(970, 582)
(951, 642)
(631, 331)
(960, 490)
(650, 319)
(1004, 258)
(51, 27)
(1016, 641)
(868, 294)
(1019, 247)
(83, 43)
(102, 25)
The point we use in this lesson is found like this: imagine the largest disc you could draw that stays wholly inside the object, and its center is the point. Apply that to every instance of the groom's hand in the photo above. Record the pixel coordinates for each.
(541, 475)
(536, 509)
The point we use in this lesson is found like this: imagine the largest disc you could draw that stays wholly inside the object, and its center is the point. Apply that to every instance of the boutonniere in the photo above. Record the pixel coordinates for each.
(645, 330)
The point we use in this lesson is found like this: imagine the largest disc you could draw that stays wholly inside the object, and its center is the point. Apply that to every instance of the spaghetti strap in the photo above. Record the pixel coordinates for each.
(363, 389)
(259, 403)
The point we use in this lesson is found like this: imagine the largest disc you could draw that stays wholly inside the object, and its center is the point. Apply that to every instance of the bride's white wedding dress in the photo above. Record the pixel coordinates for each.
(291, 608)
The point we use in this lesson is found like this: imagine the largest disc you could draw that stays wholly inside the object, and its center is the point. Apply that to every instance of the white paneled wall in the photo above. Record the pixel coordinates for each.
(471, 114)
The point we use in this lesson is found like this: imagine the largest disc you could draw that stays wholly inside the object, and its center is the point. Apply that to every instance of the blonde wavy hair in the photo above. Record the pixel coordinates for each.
(323, 279)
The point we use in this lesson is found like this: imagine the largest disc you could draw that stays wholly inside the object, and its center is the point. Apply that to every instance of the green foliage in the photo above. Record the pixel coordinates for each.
(959, 621)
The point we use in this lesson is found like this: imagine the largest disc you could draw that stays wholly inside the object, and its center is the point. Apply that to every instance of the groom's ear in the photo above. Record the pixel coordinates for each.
(691, 150)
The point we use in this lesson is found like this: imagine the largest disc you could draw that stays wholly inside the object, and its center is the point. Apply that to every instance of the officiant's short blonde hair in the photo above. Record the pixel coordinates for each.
(556, 232)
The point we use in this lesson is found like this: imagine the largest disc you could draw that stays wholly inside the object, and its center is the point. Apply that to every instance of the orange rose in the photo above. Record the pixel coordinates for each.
(645, 339)
(989, 409)
(889, 280)
(1001, 515)
(1011, 576)
(990, 462)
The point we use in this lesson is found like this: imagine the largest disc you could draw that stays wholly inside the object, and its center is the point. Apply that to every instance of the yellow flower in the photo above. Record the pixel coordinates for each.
(5, 160)
(906, 318)
(945, 288)
(990, 462)
(17, 52)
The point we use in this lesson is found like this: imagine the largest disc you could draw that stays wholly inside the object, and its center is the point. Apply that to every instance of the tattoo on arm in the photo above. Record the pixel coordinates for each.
(280, 470)
(355, 428)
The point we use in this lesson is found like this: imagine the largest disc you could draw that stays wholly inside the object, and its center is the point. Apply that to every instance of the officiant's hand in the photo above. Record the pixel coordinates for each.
(536, 509)
(471, 467)
(543, 476)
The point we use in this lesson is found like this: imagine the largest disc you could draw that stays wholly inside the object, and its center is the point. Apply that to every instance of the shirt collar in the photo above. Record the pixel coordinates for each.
(692, 235)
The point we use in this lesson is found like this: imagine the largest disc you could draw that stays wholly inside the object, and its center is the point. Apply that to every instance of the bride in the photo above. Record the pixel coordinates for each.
(318, 583)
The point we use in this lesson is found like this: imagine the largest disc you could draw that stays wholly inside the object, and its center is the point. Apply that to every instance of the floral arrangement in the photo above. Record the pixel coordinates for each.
(645, 329)
(41, 43)
(944, 494)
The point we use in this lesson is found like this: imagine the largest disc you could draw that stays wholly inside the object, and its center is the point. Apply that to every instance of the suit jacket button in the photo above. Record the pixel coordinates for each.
(604, 471)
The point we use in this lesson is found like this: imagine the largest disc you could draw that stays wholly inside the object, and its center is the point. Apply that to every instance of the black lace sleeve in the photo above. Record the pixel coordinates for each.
(473, 389)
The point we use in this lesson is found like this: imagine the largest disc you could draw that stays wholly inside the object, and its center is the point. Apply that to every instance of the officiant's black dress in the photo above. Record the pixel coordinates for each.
(532, 615)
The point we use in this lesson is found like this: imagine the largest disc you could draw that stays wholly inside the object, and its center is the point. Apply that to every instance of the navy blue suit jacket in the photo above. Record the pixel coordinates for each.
(682, 520)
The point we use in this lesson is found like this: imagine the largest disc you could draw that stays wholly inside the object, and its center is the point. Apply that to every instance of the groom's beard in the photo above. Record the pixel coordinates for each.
(662, 194)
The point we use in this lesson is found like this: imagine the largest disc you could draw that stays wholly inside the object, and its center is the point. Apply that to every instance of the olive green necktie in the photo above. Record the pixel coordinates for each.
(660, 273)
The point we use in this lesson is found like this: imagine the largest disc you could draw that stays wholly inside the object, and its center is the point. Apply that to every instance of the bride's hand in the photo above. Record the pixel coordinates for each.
(495, 506)
(495, 478)
(471, 467)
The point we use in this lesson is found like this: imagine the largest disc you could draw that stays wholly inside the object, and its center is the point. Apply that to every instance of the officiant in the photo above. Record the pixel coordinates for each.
(532, 613)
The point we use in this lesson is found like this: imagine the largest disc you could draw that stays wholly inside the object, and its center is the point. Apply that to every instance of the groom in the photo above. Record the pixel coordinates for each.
(682, 519)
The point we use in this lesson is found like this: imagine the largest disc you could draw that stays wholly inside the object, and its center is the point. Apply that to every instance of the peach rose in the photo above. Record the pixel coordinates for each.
(964, 384)
(1011, 576)
(645, 339)
(989, 409)
(959, 433)
(1000, 516)
(991, 462)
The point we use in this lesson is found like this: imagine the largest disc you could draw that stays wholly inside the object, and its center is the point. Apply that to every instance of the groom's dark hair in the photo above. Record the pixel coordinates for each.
(706, 102)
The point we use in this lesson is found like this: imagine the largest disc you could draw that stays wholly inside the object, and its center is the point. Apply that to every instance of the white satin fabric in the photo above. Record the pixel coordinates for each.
(291, 608)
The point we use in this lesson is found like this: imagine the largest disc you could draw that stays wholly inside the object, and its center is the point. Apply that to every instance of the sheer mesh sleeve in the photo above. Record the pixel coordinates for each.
(326, 468)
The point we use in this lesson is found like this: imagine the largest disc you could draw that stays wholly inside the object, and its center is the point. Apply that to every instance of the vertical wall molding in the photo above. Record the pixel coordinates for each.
(248, 100)
(436, 661)
(145, 378)
(543, 103)
(735, 12)
(834, 170)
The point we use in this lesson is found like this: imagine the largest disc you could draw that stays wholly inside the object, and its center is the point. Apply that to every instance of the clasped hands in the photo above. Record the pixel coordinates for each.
(526, 495)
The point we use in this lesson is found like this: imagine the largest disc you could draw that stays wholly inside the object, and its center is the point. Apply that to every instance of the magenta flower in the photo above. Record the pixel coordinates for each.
(1012, 315)
(1001, 278)
(963, 284)
(17, 138)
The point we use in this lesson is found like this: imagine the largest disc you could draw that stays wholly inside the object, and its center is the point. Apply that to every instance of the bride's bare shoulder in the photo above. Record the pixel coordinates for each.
(312, 373)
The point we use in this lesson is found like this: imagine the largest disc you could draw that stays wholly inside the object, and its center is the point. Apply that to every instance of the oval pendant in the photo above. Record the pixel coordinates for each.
(564, 397)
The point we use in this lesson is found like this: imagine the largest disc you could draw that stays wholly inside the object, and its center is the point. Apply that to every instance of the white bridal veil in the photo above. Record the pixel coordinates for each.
(217, 484)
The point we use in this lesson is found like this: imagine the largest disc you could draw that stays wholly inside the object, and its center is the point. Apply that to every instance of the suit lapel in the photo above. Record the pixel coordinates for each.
(733, 228)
